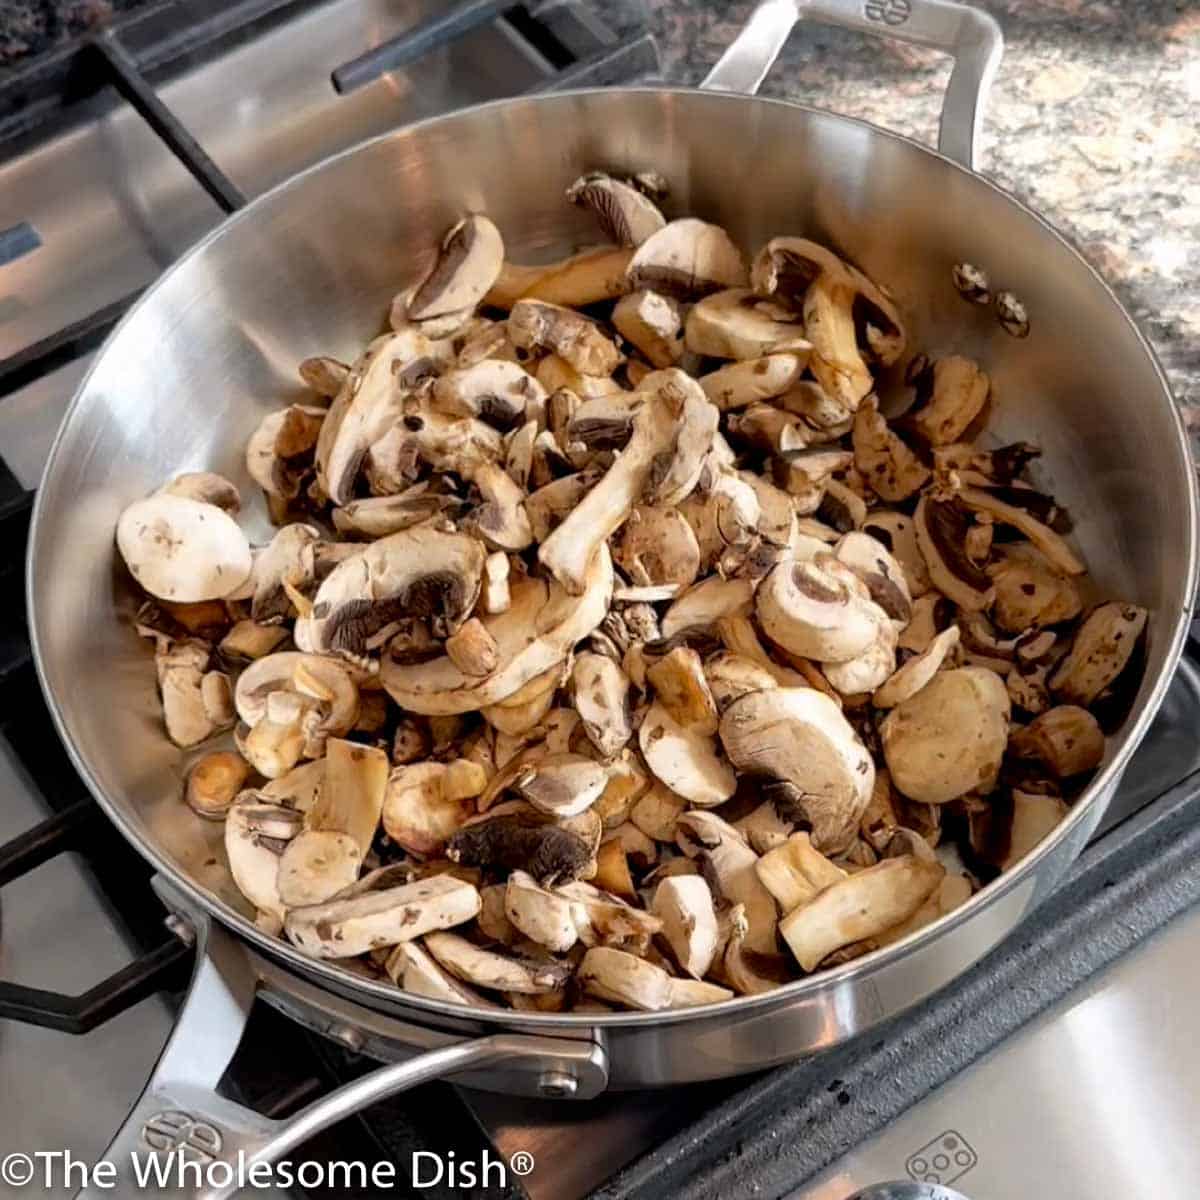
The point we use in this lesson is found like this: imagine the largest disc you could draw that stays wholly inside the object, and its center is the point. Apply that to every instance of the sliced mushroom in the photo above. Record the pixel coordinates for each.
(653, 324)
(807, 609)
(868, 670)
(949, 738)
(737, 324)
(941, 528)
(730, 869)
(751, 972)
(703, 605)
(472, 649)
(575, 338)
(1042, 536)
(286, 562)
(731, 676)
(764, 828)
(181, 675)
(316, 865)
(739, 637)
(796, 871)
(892, 470)
(858, 907)
(207, 487)
(601, 695)
(686, 760)
(605, 920)
(539, 913)
(1029, 592)
(656, 546)
(524, 710)
(898, 536)
(752, 380)
(255, 836)
(1066, 739)
(836, 360)
(278, 451)
(689, 922)
(625, 214)
(214, 782)
(1100, 651)
(524, 840)
(343, 928)
(469, 260)
(687, 259)
(352, 796)
(183, 550)
(561, 785)
(950, 395)
(883, 574)
(419, 812)
(588, 277)
(1034, 818)
(497, 972)
(414, 970)
(494, 390)
(681, 688)
(910, 678)
(818, 769)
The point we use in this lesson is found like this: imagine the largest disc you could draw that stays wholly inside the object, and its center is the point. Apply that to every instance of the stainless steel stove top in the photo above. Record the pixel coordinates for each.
(1089, 1100)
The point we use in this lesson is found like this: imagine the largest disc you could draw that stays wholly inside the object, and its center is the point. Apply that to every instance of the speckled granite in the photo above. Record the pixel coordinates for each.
(1092, 121)
(28, 27)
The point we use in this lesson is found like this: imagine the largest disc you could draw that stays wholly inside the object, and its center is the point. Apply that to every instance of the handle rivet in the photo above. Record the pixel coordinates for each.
(347, 1036)
(557, 1085)
(181, 927)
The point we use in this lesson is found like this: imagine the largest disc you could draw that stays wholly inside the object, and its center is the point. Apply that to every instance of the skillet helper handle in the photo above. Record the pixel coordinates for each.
(180, 1118)
(972, 37)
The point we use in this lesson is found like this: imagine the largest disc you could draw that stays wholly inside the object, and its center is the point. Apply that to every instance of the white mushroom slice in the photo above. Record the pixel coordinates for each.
(216, 694)
(868, 670)
(249, 640)
(796, 871)
(807, 609)
(300, 788)
(600, 690)
(604, 920)
(949, 738)
(495, 390)
(917, 671)
(681, 688)
(1067, 739)
(208, 488)
(472, 649)
(1042, 536)
(706, 603)
(950, 395)
(624, 979)
(898, 536)
(738, 324)
(883, 575)
(346, 928)
(556, 621)
(414, 970)
(836, 360)
(184, 711)
(675, 419)
(819, 769)
(497, 972)
(496, 595)
(656, 812)
(890, 467)
(653, 324)
(469, 260)
(419, 572)
(685, 760)
(288, 433)
(764, 828)
(1034, 818)
(858, 907)
(687, 259)
(540, 914)
(731, 676)
(625, 215)
(287, 559)
(1100, 651)
(562, 785)
(255, 836)
(752, 380)
(588, 277)
(656, 546)
(739, 637)
(417, 813)
(764, 427)
(575, 338)
(731, 871)
(493, 921)
(351, 799)
(953, 892)
(183, 550)
(213, 783)
(749, 972)
(1030, 593)
(316, 865)
(318, 679)
(517, 714)
(941, 527)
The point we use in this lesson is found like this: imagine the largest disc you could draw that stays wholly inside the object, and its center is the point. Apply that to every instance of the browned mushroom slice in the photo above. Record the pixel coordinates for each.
(859, 907)
(420, 572)
(680, 686)
(737, 324)
(653, 324)
(882, 574)
(687, 259)
(324, 375)
(587, 277)
(1002, 465)
(892, 470)
(655, 546)
(575, 338)
(348, 927)
(836, 359)
(1042, 536)
(941, 528)
(817, 768)
(278, 450)
(1066, 739)
(948, 738)
(419, 814)
(214, 782)
(1099, 652)
(469, 259)
(951, 393)
(524, 840)
(897, 533)
(208, 488)
(414, 970)
(625, 214)
(1030, 593)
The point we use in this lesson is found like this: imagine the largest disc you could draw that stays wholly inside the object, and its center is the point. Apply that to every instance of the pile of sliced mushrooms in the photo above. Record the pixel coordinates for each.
(615, 650)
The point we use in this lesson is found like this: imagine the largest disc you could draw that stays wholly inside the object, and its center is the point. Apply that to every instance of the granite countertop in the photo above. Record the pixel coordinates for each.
(1092, 121)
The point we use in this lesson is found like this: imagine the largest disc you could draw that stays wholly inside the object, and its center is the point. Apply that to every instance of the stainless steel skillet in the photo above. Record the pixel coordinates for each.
(308, 269)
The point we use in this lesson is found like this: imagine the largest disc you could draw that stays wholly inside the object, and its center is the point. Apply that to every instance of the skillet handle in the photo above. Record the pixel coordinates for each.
(972, 37)
(181, 1117)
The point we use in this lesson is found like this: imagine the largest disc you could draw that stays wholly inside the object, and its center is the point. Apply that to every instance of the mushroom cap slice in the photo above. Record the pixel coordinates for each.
(625, 979)
(1100, 651)
(562, 785)
(941, 527)
(420, 572)
(316, 865)
(575, 338)
(1042, 536)
(689, 922)
(656, 546)
(291, 671)
(808, 609)
(255, 836)
(836, 359)
(653, 324)
(626, 216)
(858, 907)
(795, 872)
(868, 670)
(468, 262)
(708, 602)
(909, 679)
(286, 559)
(1030, 593)
(533, 635)
(495, 390)
(950, 737)
(950, 395)
(1067, 739)
(414, 969)
(540, 914)
(348, 927)
(738, 324)
(898, 536)
(600, 689)
(685, 760)
(687, 259)
(731, 676)
(752, 380)
(883, 575)
(417, 814)
(206, 486)
(680, 686)
(183, 550)
(798, 739)
(891, 468)
(499, 972)
(214, 782)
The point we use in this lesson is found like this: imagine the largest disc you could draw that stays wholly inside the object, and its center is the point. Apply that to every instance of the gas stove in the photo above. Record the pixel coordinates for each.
(1034, 1073)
